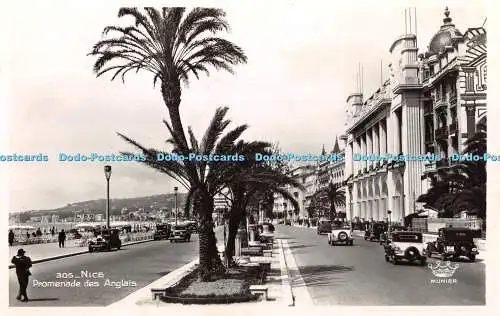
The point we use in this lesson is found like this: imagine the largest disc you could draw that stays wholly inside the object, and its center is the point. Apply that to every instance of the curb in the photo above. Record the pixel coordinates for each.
(285, 277)
(11, 266)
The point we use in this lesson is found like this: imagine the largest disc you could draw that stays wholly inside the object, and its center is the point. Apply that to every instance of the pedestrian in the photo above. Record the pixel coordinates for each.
(62, 238)
(23, 265)
(27, 235)
(11, 238)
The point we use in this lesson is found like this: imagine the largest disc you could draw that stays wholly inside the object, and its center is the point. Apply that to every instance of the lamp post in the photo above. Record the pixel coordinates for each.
(175, 210)
(107, 173)
(285, 211)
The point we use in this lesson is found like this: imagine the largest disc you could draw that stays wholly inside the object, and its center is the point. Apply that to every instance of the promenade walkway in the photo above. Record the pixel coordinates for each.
(50, 251)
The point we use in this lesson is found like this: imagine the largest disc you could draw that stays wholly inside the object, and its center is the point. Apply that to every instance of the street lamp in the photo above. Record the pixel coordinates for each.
(107, 173)
(389, 213)
(175, 214)
(284, 209)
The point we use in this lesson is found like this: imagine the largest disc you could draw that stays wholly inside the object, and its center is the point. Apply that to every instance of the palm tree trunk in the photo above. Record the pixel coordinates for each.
(171, 93)
(209, 260)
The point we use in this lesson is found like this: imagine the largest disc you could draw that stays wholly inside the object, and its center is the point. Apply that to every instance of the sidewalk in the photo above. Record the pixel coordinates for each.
(51, 251)
(278, 295)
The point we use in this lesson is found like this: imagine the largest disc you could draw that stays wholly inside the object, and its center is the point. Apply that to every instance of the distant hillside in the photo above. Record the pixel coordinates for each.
(153, 202)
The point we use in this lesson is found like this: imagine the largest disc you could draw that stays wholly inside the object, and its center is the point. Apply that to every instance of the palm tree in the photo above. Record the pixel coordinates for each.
(335, 196)
(210, 177)
(172, 46)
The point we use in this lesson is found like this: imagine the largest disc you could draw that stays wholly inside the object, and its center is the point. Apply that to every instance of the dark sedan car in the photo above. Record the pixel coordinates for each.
(180, 233)
(106, 240)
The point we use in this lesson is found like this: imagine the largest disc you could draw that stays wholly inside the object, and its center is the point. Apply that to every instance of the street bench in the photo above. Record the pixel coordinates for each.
(252, 251)
(267, 253)
(260, 290)
(157, 293)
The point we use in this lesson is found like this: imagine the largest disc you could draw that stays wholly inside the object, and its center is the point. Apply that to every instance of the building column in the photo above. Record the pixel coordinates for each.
(364, 163)
(369, 146)
(376, 142)
(357, 150)
(383, 136)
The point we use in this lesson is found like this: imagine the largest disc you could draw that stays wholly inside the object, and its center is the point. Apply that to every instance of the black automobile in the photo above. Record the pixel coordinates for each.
(107, 239)
(163, 231)
(454, 242)
(405, 246)
(324, 226)
(375, 231)
(180, 232)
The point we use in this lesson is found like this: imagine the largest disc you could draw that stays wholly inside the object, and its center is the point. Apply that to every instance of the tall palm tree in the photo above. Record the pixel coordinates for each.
(335, 196)
(172, 45)
(210, 174)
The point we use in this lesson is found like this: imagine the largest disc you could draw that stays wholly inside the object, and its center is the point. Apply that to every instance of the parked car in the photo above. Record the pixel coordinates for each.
(375, 231)
(324, 226)
(163, 231)
(454, 242)
(76, 234)
(180, 232)
(106, 240)
(407, 246)
(341, 233)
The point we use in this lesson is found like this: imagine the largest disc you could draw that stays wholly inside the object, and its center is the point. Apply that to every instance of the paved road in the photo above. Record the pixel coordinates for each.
(359, 275)
(138, 265)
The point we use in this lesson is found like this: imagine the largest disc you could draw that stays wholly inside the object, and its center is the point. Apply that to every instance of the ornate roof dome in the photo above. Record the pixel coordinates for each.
(446, 36)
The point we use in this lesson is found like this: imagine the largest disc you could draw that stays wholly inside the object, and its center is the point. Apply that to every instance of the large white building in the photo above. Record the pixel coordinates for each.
(430, 104)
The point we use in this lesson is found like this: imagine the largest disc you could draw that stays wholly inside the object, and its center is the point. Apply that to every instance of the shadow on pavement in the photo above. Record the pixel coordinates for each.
(323, 275)
(163, 273)
(42, 299)
(301, 246)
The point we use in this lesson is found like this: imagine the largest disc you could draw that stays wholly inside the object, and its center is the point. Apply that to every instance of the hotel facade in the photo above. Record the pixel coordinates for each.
(430, 105)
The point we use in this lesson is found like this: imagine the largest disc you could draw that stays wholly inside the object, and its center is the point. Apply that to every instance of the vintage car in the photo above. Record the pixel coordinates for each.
(163, 231)
(180, 232)
(341, 233)
(375, 231)
(324, 226)
(106, 240)
(405, 245)
(454, 242)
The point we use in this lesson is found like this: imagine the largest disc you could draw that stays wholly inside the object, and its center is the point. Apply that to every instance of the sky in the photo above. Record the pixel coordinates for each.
(302, 63)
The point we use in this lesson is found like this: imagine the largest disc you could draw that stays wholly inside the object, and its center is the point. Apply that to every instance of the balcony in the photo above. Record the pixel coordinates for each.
(442, 133)
(441, 103)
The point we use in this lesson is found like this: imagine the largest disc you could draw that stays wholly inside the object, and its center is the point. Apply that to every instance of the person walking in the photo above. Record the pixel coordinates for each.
(62, 238)
(11, 238)
(23, 265)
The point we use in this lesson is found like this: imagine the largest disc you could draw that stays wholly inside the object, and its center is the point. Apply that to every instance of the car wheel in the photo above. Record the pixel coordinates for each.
(91, 249)
(472, 257)
(423, 261)
(351, 243)
(394, 261)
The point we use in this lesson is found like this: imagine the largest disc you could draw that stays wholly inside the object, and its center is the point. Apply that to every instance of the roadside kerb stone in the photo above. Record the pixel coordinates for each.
(11, 266)
(286, 279)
